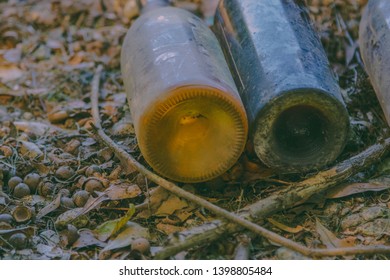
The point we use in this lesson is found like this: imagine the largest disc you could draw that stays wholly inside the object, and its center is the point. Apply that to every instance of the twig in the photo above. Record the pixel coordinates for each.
(95, 96)
(234, 219)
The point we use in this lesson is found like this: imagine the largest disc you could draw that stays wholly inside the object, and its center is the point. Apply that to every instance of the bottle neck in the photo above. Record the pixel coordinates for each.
(146, 6)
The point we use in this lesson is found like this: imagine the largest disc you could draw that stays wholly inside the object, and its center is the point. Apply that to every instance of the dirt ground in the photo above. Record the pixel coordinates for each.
(52, 166)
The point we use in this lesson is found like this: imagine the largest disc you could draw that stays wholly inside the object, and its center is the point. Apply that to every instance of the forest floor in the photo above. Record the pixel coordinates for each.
(53, 167)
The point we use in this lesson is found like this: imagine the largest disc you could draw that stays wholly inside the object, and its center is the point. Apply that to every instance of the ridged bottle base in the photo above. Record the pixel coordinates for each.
(196, 134)
(301, 131)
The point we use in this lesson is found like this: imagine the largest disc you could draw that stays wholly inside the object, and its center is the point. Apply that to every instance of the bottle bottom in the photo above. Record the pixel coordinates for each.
(301, 131)
(195, 135)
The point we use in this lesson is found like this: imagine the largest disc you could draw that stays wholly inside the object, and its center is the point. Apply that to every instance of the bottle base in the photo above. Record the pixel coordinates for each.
(300, 131)
(195, 135)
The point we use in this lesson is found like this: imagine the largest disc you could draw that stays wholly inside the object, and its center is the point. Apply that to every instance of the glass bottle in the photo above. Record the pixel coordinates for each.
(189, 120)
(374, 42)
(297, 118)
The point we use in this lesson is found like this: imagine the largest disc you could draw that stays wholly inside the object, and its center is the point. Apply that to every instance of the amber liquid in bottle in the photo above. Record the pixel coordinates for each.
(189, 120)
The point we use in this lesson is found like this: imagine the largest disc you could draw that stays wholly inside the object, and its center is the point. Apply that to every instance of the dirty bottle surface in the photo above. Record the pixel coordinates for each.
(189, 120)
(297, 118)
(374, 42)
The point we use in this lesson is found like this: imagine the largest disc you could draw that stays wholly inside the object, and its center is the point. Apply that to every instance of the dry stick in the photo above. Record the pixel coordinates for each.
(233, 218)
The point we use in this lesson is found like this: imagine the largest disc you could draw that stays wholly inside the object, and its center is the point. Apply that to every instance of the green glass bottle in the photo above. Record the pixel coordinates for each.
(189, 120)
(297, 117)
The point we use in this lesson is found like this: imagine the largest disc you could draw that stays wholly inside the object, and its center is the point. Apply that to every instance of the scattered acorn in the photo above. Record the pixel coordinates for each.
(80, 198)
(64, 172)
(92, 169)
(67, 202)
(22, 214)
(141, 245)
(6, 151)
(72, 146)
(12, 182)
(18, 240)
(21, 190)
(46, 188)
(32, 180)
(64, 192)
(69, 235)
(6, 218)
(93, 185)
(5, 226)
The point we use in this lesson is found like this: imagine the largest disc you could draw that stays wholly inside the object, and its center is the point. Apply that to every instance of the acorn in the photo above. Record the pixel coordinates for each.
(69, 235)
(141, 245)
(32, 180)
(21, 190)
(6, 151)
(67, 203)
(92, 169)
(22, 214)
(5, 226)
(6, 218)
(73, 146)
(18, 240)
(64, 172)
(12, 182)
(64, 192)
(93, 185)
(46, 188)
(80, 198)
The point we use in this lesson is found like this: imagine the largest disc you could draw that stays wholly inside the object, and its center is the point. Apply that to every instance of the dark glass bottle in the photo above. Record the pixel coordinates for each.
(297, 118)
(374, 41)
(189, 120)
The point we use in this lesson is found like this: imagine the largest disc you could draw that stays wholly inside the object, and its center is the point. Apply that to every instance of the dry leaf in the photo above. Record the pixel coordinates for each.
(10, 73)
(72, 216)
(284, 227)
(50, 207)
(50, 252)
(114, 192)
(13, 55)
(37, 128)
(93, 203)
(329, 239)
(286, 254)
(29, 231)
(156, 197)
(376, 228)
(30, 150)
(183, 214)
(365, 215)
(170, 205)
(110, 228)
(87, 239)
(169, 229)
(122, 191)
(130, 232)
(374, 185)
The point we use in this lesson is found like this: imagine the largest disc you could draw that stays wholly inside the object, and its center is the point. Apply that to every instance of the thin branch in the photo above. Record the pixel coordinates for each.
(95, 96)
(233, 218)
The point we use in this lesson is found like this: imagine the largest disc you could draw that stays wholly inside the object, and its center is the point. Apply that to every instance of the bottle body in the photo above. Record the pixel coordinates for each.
(374, 42)
(297, 117)
(189, 119)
